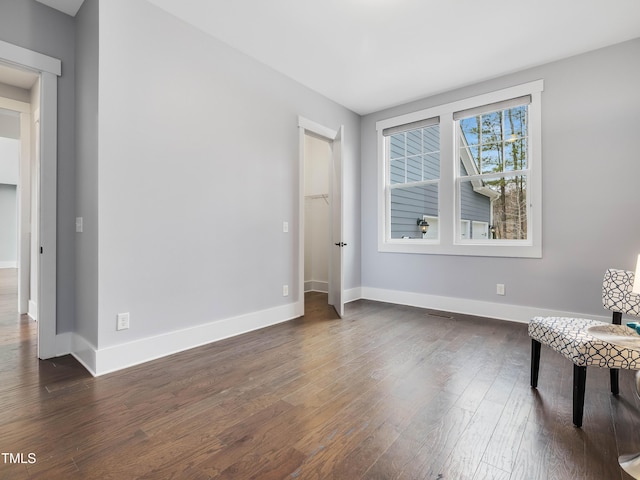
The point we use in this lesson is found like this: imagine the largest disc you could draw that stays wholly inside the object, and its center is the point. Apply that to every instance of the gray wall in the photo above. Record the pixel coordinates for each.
(188, 100)
(9, 128)
(8, 224)
(193, 117)
(87, 170)
(32, 25)
(590, 193)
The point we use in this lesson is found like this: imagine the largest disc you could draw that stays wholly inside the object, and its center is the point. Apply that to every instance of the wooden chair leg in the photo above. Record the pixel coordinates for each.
(614, 374)
(535, 362)
(579, 381)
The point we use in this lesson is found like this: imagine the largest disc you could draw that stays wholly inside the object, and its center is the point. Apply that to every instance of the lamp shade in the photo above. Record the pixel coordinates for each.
(636, 281)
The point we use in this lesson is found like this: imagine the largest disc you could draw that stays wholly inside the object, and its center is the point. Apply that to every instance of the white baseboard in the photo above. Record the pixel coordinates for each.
(85, 352)
(316, 286)
(33, 310)
(64, 342)
(8, 264)
(352, 294)
(117, 357)
(500, 311)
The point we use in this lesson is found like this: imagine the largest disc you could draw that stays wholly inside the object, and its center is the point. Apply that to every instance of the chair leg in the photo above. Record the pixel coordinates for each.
(614, 374)
(579, 381)
(535, 362)
(616, 318)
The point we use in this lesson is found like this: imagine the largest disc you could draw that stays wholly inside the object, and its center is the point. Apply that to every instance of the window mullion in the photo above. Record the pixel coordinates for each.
(413, 184)
(448, 167)
(422, 149)
(480, 143)
(406, 160)
(502, 149)
(496, 175)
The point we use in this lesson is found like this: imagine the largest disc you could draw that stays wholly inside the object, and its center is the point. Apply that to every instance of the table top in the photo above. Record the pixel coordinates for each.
(616, 334)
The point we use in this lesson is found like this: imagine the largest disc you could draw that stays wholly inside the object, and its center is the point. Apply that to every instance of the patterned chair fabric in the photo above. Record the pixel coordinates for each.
(616, 292)
(571, 338)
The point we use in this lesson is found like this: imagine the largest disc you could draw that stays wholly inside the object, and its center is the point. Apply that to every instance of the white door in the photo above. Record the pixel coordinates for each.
(336, 276)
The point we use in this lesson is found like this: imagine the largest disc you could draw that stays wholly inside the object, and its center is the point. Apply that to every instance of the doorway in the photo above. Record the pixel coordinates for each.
(320, 209)
(20, 64)
(18, 188)
(9, 180)
(317, 213)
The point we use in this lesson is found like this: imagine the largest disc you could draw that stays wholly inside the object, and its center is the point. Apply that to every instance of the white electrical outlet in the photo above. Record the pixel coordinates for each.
(122, 321)
(500, 288)
(285, 290)
(285, 227)
(79, 224)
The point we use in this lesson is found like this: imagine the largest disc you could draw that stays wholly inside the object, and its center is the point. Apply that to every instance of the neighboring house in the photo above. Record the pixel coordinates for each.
(476, 202)
(415, 159)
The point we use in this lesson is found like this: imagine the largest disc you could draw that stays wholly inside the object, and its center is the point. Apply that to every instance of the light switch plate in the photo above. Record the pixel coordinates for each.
(122, 321)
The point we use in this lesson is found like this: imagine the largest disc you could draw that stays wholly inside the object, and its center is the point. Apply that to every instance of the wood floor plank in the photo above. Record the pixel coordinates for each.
(532, 458)
(278, 465)
(489, 472)
(503, 445)
(387, 392)
(468, 451)
(441, 438)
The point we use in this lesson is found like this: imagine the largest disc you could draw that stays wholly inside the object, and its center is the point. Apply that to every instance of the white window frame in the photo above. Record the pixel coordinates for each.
(447, 202)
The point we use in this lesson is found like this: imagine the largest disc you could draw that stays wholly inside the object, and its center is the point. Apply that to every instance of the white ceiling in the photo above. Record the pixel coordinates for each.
(371, 54)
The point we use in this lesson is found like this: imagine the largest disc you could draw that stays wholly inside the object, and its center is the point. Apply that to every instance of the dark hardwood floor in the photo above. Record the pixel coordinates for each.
(387, 392)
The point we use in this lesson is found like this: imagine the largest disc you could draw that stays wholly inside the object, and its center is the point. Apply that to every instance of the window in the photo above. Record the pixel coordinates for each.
(471, 170)
(414, 175)
(493, 170)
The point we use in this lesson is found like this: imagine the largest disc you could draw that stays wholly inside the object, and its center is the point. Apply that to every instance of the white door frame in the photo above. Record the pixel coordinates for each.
(304, 126)
(49, 69)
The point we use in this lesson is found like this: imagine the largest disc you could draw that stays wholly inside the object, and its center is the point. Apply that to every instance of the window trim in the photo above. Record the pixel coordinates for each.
(447, 201)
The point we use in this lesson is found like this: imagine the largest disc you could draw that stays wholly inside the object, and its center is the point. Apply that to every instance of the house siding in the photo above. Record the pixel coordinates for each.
(474, 206)
(410, 203)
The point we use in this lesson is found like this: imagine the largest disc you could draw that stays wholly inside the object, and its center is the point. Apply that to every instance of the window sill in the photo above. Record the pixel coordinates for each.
(418, 246)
